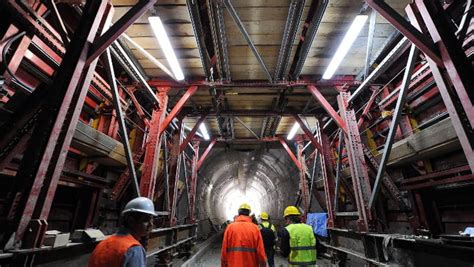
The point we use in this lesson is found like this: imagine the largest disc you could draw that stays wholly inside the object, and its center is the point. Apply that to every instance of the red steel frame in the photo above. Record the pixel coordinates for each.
(415, 36)
(177, 108)
(206, 153)
(329, 109)
(193, 184)
(191, 134)
(359, 173)
(327, 174)
(460, 111)
(174, 169)
(305, 194)
(308, 133)
(152, 147)
(54, 137)
(290, 153)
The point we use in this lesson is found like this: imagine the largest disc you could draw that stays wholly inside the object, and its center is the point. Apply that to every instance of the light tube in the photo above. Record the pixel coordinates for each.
(293, 131)
(204, 132)
(349, 38)
(164, 41)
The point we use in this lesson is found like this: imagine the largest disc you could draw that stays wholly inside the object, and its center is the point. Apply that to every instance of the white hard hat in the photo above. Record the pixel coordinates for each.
(141, 205)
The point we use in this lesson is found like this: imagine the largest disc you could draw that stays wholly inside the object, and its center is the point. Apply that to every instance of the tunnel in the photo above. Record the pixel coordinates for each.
(135, 130)
(266, 179)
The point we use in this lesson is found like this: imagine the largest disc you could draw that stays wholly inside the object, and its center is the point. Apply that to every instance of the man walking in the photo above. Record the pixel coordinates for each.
(268, 235)
(242, 244)
(123, 248)
(297, 240)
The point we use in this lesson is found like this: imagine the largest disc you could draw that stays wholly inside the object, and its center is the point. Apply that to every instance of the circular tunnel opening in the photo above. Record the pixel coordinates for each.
(265, 179)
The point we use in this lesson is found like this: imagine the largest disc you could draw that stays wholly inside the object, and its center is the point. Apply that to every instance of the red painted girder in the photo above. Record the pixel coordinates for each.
(191, 134)
(118, 28)
(206, 153)
(308, 133)
(290, 153)
(177, 108)
(329, 109)
(401, 24)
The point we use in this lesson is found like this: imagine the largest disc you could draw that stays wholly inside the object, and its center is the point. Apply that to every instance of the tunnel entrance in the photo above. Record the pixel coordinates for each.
(265, 179)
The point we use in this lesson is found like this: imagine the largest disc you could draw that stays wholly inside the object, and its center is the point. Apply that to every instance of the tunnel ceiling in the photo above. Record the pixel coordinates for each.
(210, 47)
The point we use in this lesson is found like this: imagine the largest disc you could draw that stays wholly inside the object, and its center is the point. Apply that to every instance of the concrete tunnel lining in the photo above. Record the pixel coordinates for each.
(266, 179)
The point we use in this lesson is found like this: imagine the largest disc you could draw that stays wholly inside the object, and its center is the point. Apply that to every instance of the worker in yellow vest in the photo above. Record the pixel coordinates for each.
(268, 232)
(297, 240)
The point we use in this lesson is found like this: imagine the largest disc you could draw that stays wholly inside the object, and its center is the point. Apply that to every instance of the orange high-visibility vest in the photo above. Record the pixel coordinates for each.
(111, 251)
(242, 244)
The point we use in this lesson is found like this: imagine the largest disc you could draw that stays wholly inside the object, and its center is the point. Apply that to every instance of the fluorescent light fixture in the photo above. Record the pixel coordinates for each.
(164, 41)
(293, 131)
(204, 132)
(345, 45)
(149, 56)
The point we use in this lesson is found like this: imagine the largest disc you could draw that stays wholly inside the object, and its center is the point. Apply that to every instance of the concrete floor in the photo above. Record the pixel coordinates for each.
(212, 258)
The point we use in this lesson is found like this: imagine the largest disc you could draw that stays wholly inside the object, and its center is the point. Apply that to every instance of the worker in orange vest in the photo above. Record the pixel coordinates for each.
(243, 244)
(123, 248)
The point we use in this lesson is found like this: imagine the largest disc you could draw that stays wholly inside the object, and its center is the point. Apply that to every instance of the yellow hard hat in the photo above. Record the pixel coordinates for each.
(291, 210)
(245, 206)
(264, 216)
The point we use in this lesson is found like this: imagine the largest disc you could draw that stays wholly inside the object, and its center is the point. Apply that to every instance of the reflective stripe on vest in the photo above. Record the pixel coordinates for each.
(241, 249)
(302, 263)
(303, 248)
(302, 245)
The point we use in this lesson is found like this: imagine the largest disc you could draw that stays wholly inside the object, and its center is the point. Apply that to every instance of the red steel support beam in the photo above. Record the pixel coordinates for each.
(458, 67)
(44, 158)
(137, 105)
(290, 153)
(177, 108)
(367, 108)
(326, 171)
(191, 134)
(329, 109)
(174, 170)
(308, 133)
(206, 153)
(460, 116)
(357, 164)
(193, 184)
(152, 147)
(118, 28)
(401, 24)
(303, 186)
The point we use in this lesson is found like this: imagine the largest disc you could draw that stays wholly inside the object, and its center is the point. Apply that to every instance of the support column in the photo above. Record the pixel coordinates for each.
(152, 147)
(303, 181)
(44, 158)
(193, 184)
(456, 92)
(359, 173)
(174, 168)
(326, 170)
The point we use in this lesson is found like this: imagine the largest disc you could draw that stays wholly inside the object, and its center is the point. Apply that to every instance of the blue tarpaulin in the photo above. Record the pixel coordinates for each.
(319, 223)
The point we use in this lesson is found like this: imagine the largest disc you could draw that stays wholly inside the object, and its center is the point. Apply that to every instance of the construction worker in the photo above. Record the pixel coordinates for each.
(242, 244)
(297, 240)
(268, 232)
(124, 248)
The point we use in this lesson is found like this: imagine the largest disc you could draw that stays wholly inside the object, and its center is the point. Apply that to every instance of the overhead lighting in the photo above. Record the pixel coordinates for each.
(345, 45)
(164, 41)
(204, 132)
(293, 131)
